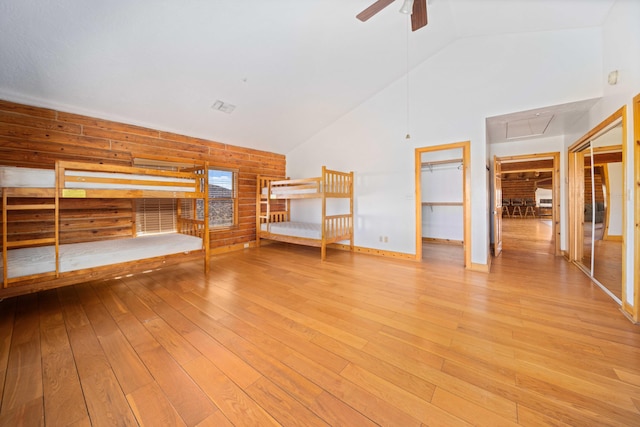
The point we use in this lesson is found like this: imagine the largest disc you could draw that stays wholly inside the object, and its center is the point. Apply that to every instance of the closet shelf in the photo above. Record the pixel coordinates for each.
(441, 203)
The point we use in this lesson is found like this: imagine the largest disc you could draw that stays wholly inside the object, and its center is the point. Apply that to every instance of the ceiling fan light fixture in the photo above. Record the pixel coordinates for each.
(407, 7)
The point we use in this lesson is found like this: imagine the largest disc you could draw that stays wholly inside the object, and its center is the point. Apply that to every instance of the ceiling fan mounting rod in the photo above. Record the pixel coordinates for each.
(418, 11)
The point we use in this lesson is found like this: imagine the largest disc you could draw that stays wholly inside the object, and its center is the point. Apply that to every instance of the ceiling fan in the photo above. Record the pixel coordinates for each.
(417, 8)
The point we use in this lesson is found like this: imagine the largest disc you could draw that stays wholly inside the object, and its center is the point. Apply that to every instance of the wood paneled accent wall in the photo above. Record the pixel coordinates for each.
(513, 189)
(598, 183)
(37, 137)
(519, 187)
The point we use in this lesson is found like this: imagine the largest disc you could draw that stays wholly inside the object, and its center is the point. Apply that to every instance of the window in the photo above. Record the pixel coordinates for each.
(160, 215)
(223, 200)
(155, 216)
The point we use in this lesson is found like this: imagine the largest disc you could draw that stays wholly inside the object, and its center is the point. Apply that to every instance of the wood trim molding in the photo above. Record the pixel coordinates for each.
(483, 268)
(635, 310)
(442, 241)
(620, 113)
(231, 248)
(339, 246)
(626, 310)
(373, 251)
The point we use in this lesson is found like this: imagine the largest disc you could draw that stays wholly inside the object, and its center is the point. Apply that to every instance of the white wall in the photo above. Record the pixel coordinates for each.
(451, 95)
(543, 194)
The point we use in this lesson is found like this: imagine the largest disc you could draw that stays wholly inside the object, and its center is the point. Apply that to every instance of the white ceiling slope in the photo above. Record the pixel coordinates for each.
(290, 67)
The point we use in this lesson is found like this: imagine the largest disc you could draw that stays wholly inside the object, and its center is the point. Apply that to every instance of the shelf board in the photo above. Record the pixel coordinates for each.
(441, 203)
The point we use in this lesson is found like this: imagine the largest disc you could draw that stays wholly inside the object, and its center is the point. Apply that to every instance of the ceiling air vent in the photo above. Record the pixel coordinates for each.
(223, 106)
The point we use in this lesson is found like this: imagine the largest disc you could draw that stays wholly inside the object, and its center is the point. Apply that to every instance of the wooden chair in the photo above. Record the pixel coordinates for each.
(505, 208)
(530, 208)
(517, 207)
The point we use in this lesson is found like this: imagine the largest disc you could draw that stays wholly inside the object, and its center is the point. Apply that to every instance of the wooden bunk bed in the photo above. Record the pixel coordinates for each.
(30, 265)
(273, 209)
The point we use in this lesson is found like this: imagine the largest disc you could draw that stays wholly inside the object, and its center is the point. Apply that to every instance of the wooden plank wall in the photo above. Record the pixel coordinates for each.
(522, 188)
(37, 137)
(81, 220)
(518, 189)
(598, 183)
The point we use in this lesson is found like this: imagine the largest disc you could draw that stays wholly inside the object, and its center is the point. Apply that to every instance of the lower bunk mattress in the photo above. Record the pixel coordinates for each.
(79, 256)
(294, 229)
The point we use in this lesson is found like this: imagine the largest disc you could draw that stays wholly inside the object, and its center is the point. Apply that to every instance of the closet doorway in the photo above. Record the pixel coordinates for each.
(597, 209)
(443, 220)
(526, 204)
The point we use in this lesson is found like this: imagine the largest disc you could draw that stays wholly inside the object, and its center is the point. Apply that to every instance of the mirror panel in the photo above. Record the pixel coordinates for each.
(607, 226)
(587, 217)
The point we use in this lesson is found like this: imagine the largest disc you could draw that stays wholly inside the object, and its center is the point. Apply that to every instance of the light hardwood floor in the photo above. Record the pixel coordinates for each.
(527, 235)
(274, 336)
(607, 268)
(534, 235)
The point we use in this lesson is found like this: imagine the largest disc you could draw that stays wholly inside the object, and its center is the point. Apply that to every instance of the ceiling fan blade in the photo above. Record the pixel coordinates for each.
(373, 9)
(419, 15)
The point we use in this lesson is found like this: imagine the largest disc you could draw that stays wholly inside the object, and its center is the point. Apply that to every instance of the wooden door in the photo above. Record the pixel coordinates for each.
(497, 206)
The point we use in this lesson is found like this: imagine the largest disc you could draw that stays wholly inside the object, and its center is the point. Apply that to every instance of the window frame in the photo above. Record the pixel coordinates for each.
(234, 198)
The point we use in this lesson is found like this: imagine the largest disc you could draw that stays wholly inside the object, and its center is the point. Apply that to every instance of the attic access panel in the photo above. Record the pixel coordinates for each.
(526, 128)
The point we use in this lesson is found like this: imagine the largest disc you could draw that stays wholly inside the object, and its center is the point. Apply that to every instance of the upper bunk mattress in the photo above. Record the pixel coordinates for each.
(13, 176)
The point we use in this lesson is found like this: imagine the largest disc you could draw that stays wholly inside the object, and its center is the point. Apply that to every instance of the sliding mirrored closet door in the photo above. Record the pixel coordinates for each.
(599, 209)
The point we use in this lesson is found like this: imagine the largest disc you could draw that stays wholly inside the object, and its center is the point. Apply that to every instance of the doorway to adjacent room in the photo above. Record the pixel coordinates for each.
(526, 203)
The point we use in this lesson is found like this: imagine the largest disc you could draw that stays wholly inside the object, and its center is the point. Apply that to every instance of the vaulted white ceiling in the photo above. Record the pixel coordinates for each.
(290, 67)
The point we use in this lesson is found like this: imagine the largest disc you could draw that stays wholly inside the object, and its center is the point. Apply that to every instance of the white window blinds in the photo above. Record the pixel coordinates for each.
(154, 216)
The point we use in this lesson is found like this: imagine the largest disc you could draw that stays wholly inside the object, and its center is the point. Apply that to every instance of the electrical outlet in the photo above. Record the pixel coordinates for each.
(246, 245)
(386, 239)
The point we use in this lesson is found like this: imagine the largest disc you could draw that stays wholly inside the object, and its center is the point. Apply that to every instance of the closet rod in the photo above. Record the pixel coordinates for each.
(441, 162)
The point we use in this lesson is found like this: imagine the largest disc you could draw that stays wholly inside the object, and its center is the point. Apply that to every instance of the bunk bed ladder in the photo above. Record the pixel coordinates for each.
(24, 193)
(264, 205)
(267, 201)
(206, 238)
(325, 189)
